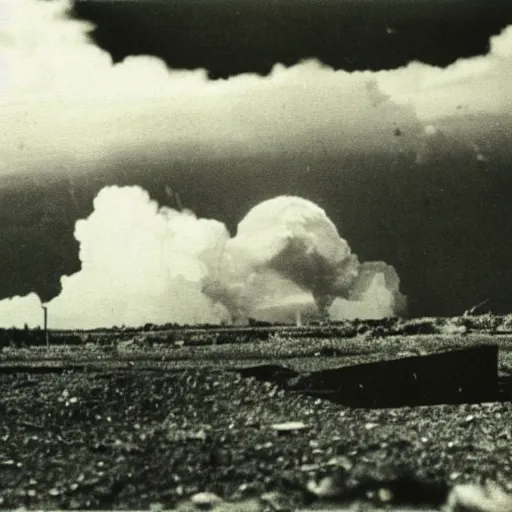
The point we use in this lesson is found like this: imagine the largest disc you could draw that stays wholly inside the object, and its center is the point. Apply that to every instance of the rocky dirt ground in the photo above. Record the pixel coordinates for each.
(138, 440)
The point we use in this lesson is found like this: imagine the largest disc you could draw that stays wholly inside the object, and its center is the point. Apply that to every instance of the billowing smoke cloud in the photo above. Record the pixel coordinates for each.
(375, 294)
(287, 255)
(290, 243)
(142, 263)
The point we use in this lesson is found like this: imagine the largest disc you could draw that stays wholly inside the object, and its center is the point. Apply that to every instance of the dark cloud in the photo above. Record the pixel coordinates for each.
(232, 37)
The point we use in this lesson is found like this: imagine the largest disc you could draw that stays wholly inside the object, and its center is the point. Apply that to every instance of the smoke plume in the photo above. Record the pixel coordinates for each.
(142, 263)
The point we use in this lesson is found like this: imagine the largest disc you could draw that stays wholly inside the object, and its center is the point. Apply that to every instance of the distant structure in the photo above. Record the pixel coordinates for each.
(474, 310)
(298, 319)
(45, 312)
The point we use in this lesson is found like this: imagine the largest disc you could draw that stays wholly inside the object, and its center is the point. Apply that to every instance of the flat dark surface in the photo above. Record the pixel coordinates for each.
(458, 376)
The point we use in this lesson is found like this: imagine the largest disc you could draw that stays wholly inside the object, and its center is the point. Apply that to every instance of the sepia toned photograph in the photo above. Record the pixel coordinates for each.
(256, 255)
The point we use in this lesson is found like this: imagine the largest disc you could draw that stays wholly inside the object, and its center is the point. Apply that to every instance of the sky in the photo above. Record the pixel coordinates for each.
(393, 118)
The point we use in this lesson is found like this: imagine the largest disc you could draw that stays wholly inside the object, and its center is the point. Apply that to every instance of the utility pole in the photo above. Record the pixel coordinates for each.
(45, 309)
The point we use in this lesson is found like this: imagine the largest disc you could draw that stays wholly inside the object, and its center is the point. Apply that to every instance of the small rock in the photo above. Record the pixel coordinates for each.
(205, 500)
(370, 426)
(341, 462)
(328, 487)
(289, 426)
(246, 488)
(275, 500)
(309, 468)
(384, 495)
(476, 498)
(197, 436)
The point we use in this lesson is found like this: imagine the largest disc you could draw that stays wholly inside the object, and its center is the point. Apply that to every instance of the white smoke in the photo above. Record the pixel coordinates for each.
(287, 252)
(378, 300)
(142, 263)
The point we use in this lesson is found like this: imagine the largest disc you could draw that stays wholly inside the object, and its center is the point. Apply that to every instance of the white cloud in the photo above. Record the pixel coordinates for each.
(64, 102)
(140, 264)
(482, 84)
(145, 264)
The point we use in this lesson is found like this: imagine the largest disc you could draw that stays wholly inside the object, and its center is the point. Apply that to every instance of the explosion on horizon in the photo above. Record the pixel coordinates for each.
(398, 148)
(142, 263)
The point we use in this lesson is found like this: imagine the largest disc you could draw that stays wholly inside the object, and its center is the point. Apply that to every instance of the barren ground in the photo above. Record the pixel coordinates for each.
(130, 438)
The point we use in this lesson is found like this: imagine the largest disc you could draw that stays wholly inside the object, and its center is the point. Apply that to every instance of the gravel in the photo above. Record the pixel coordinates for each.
(132, 439)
